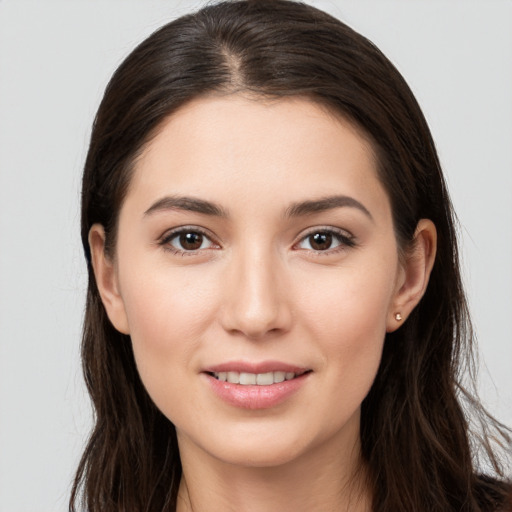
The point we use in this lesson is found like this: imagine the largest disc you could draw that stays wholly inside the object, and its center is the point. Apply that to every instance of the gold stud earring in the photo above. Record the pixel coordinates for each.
(398, 317)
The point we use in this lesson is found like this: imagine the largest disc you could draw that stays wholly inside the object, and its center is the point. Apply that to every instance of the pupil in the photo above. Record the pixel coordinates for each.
(191, 241)
(321, 241)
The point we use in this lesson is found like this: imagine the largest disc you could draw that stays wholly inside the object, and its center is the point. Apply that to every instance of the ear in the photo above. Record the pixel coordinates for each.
(413, 275)
(107, 280)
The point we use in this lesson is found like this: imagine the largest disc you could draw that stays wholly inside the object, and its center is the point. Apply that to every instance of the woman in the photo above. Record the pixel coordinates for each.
(275, 317)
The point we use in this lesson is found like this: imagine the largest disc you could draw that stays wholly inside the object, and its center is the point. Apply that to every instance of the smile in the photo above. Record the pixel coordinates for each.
(258, 379)
(262, 388)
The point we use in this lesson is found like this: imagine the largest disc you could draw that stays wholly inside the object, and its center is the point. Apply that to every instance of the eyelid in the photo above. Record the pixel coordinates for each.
(346, 239)
(174, 232)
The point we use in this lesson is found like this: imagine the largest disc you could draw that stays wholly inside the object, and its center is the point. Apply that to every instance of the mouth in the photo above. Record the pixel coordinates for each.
(256, 379)
(256, 386)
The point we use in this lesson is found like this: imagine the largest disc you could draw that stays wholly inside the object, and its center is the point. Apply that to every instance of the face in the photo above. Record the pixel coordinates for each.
(257, 272)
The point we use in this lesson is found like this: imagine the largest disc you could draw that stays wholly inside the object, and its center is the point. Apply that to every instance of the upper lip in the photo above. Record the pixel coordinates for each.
(255, 367)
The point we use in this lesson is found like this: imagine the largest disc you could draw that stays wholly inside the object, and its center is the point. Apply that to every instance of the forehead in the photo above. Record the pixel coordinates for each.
(236, 147)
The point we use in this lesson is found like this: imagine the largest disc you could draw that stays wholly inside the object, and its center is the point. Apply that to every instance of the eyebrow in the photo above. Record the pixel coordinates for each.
(298, 209)
(190, 204)
(326, 203)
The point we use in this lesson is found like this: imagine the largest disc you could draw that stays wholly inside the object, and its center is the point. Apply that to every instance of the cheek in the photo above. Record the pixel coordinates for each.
(165, 305)
(348, 302)
(347, 315)
(167, 313)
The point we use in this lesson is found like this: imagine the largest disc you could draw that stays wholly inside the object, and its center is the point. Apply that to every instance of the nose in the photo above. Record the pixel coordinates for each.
(256, 302)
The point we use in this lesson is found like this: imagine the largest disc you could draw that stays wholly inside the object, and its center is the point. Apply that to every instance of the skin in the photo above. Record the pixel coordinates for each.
(259, 289)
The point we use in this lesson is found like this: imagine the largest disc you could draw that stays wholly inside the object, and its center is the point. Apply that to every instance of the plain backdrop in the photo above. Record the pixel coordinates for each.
(55, 60)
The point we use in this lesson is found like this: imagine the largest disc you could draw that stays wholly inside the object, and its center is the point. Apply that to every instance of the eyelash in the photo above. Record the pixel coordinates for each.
(165, 241)
(345, 239)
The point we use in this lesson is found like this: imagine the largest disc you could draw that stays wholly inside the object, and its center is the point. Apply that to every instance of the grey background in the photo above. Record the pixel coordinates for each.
(55, 60)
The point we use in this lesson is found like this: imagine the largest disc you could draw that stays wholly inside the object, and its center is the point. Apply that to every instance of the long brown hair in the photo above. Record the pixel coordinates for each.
(415, 434)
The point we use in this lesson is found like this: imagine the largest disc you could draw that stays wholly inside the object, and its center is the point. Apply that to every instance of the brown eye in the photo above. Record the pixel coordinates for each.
(191, 241)
(187, 240)
(320, 241)
(328, 240)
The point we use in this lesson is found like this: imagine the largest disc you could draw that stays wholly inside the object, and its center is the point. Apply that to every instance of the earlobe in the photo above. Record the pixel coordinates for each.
(106, 279)
(414, 274)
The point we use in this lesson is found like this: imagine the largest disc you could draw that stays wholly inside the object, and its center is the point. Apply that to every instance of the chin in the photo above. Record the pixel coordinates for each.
(266, 444)
(258, 455)
(249, 444)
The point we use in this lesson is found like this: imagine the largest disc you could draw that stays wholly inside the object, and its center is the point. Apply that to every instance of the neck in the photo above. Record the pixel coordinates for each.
(323, 480)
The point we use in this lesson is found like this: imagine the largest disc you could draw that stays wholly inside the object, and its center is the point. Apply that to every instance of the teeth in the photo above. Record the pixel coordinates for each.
(247, 378)
(279, 376)
(264, 379)
(233, 377)
(259, 379)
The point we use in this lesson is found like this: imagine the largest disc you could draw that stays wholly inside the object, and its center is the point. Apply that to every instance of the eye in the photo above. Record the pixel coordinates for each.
(187, 240)
(323, 240)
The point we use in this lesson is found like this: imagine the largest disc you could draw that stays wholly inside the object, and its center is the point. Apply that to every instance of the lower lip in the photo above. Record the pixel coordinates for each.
(256, 397)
